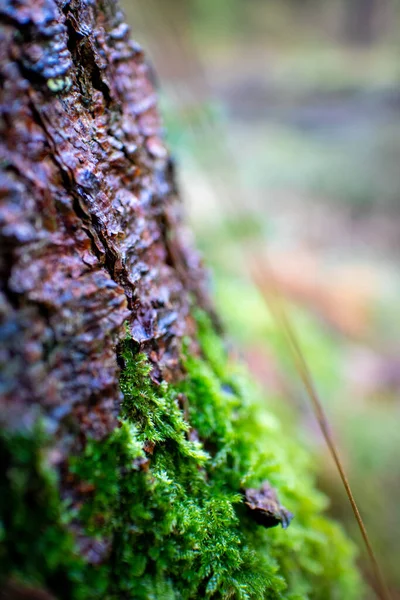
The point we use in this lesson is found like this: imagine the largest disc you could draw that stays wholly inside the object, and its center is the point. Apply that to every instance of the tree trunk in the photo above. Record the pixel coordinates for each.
(91, 235)
(127, 437)
(90, 218)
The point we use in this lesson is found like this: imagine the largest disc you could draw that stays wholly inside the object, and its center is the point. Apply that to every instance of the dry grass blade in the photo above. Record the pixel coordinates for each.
(263, 279)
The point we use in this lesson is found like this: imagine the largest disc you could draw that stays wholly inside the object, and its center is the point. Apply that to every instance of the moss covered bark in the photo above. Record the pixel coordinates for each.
(127, 435)
(162, 493)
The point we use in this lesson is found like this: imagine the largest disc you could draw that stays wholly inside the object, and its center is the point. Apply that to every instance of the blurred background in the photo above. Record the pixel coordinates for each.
(284, 119)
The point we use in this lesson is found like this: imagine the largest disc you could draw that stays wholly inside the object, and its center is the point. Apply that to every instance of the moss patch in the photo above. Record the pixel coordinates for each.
(165, 496)
(35, 545)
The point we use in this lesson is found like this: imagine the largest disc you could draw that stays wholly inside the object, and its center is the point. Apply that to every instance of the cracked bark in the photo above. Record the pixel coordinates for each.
(90, 219)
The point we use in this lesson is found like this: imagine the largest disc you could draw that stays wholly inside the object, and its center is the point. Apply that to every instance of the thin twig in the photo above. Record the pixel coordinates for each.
(264, 281)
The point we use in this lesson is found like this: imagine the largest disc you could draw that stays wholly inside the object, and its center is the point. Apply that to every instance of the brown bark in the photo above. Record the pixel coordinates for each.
(90, 228)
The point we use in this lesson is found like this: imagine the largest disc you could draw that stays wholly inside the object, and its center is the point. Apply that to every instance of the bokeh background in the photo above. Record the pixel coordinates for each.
(284, 118)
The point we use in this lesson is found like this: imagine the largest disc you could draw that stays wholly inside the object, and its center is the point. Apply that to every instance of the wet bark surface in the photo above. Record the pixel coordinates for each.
(90, 219)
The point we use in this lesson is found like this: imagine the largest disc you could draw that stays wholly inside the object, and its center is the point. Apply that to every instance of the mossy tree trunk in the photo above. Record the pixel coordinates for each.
(135, 461)
(90, 226)
(90, 218)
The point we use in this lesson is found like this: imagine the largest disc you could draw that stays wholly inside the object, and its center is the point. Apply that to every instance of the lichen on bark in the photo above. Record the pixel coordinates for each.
(125, 438)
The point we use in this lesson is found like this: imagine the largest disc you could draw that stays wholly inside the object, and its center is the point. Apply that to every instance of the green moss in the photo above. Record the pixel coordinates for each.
(174, 516)
(34, 543)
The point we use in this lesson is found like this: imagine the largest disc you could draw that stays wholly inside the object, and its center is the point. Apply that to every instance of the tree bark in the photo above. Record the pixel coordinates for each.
(91, 236)
(90, 222)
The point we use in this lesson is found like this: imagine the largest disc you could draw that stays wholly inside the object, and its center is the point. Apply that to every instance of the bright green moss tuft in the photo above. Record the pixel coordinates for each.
(174, 516)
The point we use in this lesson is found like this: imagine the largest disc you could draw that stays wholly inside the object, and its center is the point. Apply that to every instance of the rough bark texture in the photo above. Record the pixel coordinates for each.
(90, 228)
(90, 231)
